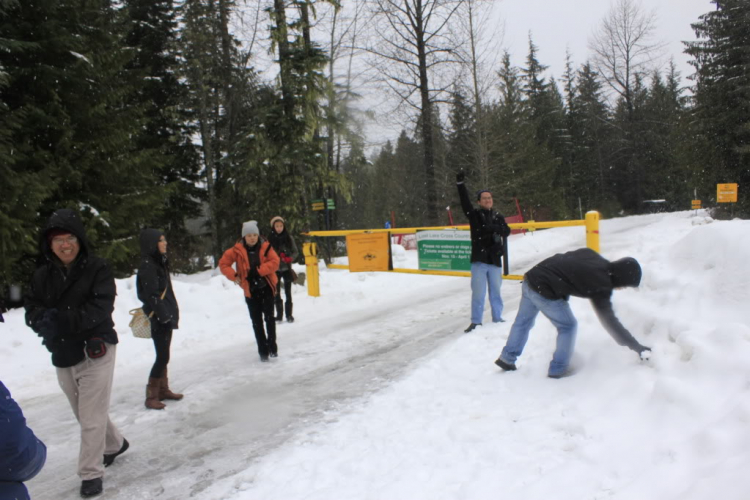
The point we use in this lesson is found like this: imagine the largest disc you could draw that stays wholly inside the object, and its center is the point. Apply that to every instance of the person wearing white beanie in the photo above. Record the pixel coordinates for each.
(250, 227)
(251, 264)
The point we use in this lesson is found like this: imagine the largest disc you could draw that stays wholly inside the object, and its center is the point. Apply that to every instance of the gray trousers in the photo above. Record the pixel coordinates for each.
(88, 386)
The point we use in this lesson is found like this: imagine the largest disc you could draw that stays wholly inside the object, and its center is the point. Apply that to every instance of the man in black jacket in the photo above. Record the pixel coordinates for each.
(69, 305)
(547, 287)
(488, 228)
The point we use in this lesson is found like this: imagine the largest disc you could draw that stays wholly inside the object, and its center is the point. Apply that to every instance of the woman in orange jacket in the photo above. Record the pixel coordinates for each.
(255, 265)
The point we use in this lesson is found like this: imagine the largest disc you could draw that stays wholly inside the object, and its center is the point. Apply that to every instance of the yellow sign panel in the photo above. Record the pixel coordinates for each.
(696, 204)
(369, 252)
(726, 193)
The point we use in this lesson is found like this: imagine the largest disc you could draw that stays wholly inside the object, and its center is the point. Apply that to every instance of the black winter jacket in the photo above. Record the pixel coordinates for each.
(487, 230)
(583, 273)
(153, 278)
(83, 294)
(283, 243)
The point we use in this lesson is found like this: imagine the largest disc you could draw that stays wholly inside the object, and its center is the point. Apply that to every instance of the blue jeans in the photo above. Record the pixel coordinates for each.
(558, 312)
(482, 277)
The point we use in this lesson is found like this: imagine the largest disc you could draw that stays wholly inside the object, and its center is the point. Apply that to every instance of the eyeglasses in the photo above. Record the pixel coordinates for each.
(59, 240)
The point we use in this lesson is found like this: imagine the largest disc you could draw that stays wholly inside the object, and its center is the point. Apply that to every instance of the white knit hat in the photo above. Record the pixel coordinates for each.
(250, 227)
(278, 218)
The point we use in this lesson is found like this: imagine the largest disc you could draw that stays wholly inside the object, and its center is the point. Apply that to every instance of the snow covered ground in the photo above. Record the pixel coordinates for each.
(378, 394)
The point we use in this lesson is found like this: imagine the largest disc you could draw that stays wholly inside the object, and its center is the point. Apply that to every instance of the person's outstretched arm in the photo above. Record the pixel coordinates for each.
(603, 309)
(463, 194)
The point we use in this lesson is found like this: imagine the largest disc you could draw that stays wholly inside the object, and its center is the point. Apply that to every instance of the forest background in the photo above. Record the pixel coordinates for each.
(154, 113)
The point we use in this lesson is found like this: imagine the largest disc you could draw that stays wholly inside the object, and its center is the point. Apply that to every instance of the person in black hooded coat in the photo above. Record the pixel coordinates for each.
(283, 244)
(154, 288)
(69, 304)
(547, 288)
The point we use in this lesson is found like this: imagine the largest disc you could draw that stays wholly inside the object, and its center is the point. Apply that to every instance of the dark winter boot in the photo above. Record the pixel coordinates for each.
(110, 459)
(279, 309)
(472, 326)
(152, 394)
(508, 367)
(91, 487)
(164, 392)
(289, 307)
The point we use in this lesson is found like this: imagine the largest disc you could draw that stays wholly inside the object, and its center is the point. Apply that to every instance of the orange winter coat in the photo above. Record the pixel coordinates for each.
(269, 263)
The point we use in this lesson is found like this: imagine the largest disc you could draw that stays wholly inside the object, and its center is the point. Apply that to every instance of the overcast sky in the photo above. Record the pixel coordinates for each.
(559, 24)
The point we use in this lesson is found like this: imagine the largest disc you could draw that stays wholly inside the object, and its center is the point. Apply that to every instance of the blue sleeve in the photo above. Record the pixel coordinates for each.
(22, 455)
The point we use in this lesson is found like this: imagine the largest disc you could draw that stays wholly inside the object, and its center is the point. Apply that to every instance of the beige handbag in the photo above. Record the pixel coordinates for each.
(140, 324)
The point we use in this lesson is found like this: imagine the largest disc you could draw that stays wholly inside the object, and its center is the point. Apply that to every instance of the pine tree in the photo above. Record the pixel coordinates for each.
(525, 167)
(66, 94)
(590, 131)
(722, 97)
(164, 138)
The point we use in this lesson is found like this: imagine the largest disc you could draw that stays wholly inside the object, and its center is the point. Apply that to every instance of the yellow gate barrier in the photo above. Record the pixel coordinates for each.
(310, 250)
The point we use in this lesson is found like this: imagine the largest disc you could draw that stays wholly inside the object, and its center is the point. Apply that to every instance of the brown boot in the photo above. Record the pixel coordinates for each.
(164, 392)
(152, 394)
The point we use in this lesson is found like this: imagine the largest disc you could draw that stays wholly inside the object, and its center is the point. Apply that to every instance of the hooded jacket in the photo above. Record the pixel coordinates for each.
(487, 230)
(84, 294)
(584, 273)
(153, 278)
(237, 255)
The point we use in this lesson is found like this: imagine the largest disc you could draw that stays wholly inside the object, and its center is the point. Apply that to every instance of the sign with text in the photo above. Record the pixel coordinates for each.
(369, 252)
(726, 193)
(323, 204)
(696, 204)
(448, 250)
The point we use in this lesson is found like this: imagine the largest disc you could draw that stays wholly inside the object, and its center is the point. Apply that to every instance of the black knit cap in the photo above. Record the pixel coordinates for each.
(479, 193)
(625, 272)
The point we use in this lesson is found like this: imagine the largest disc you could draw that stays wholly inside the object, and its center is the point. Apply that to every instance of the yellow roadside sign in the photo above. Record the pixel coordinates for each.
(726, 193)
(696, 204)
(369, 252)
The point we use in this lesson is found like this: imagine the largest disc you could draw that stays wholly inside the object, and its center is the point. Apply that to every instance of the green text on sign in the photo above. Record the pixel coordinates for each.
(448, 250)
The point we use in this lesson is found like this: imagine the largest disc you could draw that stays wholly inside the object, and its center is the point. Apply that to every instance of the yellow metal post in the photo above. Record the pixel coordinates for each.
(592, 230)
(310, 250)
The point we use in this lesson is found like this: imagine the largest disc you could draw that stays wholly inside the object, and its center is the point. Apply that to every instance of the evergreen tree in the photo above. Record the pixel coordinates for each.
(721, 57)
(664, 110)
(164, 138)
(545, 115)
(590, 131)
(67, 97)
(525, 167)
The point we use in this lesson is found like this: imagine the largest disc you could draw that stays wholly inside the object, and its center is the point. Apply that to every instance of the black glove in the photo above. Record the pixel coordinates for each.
(460, 176)
(47, 326)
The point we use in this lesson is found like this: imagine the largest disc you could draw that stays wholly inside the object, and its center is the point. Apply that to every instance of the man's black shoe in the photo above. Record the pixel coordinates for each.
(109, 459)
(472, 326)
(264, 359)
(91, 487)
(274, 355)
(290, 319)
(508, 367)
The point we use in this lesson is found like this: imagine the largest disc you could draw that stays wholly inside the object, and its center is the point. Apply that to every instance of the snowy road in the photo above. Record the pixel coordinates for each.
(237, 409)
